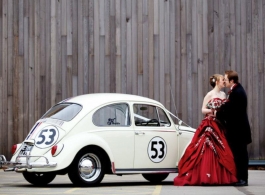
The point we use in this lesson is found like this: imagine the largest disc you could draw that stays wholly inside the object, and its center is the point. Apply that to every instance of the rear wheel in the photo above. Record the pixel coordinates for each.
(88, 168)
(39, 179)
(155, 178)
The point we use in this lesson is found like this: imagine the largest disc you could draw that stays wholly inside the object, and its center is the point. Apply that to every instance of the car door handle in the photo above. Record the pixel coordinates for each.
(139, 133)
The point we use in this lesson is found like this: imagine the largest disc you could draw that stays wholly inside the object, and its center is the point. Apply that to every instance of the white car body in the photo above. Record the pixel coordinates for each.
(125, 149)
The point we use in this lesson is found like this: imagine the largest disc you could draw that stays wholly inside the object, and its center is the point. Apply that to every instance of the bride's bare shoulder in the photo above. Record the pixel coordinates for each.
(208, 96)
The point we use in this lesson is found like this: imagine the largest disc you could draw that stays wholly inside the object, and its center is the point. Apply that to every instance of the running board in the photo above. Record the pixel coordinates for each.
(138, 171)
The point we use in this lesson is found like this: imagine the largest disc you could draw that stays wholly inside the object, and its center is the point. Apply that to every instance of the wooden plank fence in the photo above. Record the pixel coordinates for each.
(54, 49)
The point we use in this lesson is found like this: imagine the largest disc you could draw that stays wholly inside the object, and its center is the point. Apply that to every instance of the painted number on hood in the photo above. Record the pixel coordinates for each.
(47, 137)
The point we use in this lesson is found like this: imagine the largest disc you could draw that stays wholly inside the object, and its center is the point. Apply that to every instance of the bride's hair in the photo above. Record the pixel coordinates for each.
(214, 78)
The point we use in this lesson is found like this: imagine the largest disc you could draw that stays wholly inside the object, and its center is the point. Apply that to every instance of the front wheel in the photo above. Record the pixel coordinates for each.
(39, 179)
(155, 178)
(88, 168)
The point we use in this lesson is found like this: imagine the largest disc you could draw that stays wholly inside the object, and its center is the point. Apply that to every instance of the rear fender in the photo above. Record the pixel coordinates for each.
(72, 145)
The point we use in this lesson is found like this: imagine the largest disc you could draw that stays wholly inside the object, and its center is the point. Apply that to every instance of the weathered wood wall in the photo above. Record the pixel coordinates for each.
(53, 49)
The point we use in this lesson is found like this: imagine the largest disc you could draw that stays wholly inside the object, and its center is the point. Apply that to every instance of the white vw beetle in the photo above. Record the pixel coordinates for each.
(95, 134)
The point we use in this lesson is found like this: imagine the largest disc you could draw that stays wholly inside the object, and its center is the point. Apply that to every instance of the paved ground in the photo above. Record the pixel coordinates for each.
(14, 183)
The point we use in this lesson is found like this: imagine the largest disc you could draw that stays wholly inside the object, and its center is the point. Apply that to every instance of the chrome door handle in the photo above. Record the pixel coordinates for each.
(139, 133)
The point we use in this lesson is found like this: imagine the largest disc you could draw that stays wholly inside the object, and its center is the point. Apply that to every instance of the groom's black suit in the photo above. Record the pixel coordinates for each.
(234, 116)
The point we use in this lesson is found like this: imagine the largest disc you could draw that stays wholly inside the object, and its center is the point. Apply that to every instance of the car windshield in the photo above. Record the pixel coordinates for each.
(64, 111)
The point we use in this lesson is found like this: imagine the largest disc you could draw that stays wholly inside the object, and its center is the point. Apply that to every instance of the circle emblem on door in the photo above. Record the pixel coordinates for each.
(157, 149)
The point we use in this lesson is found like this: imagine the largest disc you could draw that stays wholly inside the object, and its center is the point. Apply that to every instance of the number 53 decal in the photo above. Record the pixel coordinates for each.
(47, 137)
(157, 149)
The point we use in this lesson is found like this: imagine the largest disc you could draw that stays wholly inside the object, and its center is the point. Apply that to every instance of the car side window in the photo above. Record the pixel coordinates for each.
(163, 119)
(149, 115)
(145, 115)
(112, 115)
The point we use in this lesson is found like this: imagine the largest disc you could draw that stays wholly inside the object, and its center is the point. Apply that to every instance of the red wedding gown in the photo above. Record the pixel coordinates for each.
(208, 160)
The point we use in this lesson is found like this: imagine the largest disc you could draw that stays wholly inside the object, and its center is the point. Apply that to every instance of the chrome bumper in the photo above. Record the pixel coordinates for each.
(12, 166)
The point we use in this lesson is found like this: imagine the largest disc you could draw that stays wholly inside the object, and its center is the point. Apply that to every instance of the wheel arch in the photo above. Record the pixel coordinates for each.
(102, 151)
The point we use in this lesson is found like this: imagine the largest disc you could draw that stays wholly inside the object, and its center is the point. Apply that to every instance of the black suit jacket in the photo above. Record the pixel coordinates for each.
(234, 117)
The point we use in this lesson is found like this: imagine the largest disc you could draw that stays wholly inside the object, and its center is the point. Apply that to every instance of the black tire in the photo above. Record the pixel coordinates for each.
(88, 168)
(155, 178)
(39, 179)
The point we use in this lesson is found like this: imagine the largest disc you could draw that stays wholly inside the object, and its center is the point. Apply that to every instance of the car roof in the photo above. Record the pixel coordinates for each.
(94, 100)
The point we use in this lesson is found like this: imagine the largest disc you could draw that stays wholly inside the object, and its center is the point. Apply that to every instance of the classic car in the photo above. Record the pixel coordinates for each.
(91, 135)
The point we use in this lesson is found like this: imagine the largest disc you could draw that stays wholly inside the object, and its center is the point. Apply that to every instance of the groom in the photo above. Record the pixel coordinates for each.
(238, 133)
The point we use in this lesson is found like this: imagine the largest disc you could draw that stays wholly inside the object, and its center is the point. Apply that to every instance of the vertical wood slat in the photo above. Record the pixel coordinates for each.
(237, 37)
(81, 47)
(107, 46)
(145, 74)
(216, 36)
(221, 34)
(112, 47)
(232, 34)
(15, 103)
(75, 87)
(243, 43)
(200, 56)
(178, 67)
(128, 20)
(161, 53)
(59, 65)
(151, 48)
(194, 64)
(249, 69)
(156, 49)
(123, 38)
(140, 47)
(118, 45)
(96, 49)
(63, 55)
(191, 45)
(31, 65)
(20, 31)
(183, 60)
(84, 46)
(4, 125)
(36, 71)
(167, 54)
(10, 95)
(69, 46)
(172, 57)
(261, 86)
(1, 74)
(134, 48)
(48, 55)
(255, 134)
(51, 50)
(26, 70)
(91, 64)
(205, 56)
(101, 49)
(262, 136)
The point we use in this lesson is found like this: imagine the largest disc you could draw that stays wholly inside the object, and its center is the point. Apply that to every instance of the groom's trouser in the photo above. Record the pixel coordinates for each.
(241, 160)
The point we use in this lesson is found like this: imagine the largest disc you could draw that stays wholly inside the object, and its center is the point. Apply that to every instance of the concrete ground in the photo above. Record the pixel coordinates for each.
(14, 183)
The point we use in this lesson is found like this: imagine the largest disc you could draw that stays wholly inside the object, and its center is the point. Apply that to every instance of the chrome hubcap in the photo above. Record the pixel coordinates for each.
(89, 167)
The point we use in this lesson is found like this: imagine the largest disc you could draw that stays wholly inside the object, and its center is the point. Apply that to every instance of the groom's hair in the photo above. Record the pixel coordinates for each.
(232, 75)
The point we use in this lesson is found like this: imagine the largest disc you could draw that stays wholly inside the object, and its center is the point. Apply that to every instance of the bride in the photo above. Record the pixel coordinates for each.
(208, 159)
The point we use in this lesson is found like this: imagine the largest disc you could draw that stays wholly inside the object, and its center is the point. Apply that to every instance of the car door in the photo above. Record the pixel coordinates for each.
(156, 138)
(115, 128)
